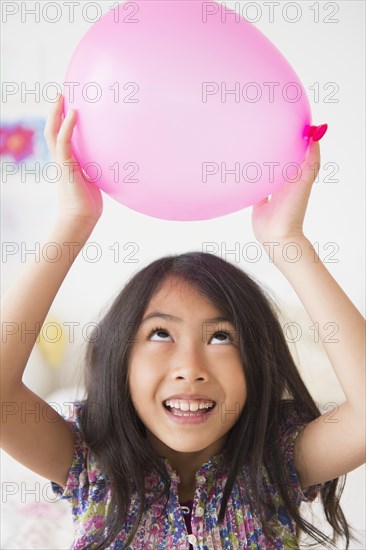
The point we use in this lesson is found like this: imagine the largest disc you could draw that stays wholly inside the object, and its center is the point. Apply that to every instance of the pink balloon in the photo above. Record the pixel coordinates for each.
(186, 110)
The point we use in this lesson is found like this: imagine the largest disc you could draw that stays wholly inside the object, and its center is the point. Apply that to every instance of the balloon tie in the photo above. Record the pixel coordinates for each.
(317, 132)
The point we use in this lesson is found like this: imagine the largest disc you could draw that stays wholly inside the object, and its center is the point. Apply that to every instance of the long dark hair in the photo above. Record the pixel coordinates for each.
(117, 437)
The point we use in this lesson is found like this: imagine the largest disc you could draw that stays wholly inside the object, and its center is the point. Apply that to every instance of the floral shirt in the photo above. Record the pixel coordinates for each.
(89, 495)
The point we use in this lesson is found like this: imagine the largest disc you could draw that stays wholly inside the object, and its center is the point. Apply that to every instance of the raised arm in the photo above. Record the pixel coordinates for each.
(43, 441)
(323, 450)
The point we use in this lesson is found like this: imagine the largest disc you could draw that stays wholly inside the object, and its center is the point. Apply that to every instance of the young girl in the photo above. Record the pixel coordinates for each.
(196, 430)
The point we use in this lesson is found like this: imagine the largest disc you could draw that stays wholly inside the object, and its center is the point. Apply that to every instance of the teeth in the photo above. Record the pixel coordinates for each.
(186, 406)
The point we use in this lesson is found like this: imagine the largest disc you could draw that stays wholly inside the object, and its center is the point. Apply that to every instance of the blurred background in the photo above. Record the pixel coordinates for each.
(325, 44)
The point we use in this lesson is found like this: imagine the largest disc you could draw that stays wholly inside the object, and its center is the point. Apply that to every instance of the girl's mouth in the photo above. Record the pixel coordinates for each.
(198, 408)
(189, 417)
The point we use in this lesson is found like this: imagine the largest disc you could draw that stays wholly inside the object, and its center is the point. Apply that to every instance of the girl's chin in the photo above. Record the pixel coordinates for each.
(165, 447)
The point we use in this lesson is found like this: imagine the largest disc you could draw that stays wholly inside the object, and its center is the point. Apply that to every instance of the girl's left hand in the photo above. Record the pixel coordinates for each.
(281, 218)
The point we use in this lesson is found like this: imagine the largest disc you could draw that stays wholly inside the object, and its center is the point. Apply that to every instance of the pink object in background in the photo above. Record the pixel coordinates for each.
(17, 141)
(186, 111)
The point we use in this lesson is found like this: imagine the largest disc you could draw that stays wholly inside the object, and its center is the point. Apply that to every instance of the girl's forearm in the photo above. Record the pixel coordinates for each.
(26, 303)
(341, 327)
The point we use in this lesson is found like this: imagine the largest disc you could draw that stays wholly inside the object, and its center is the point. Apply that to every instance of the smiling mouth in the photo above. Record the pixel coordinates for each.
(179, 412)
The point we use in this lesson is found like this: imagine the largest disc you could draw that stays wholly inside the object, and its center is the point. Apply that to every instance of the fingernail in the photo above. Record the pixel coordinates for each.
(317, 132)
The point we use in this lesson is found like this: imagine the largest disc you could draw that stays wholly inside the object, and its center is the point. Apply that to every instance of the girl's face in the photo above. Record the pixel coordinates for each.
(188, 355)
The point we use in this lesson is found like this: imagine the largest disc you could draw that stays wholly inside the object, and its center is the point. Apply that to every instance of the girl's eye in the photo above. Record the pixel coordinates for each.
(159, 331)
(226, 336)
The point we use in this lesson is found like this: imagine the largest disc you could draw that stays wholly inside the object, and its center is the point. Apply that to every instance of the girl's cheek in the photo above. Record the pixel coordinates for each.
(155, 351)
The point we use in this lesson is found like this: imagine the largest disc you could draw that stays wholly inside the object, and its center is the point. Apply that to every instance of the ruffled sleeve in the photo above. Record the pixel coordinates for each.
(290, 426)
(84, 472)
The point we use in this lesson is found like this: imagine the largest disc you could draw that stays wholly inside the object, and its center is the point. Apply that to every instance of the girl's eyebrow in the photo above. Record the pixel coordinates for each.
(168, 317)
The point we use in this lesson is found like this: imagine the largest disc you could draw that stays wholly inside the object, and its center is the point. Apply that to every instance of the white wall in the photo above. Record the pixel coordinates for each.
(321, 52)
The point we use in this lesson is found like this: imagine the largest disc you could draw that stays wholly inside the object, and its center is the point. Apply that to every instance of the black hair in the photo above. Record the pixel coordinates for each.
(272, 379)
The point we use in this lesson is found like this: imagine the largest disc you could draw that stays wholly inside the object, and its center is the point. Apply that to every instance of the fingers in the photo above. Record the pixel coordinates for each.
(262, 202)
(53, 124)
(311, 164)
(63, 142)
(58, 131)
(313, 152)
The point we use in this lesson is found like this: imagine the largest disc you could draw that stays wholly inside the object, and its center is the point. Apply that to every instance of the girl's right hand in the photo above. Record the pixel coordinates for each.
(80, 200)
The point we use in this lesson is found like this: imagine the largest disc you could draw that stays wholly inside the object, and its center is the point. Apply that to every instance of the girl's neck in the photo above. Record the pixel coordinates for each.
(186, 492)
(186, 464)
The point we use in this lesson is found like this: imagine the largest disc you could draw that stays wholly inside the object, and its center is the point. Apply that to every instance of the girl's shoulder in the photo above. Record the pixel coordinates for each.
(291, 421)
(291, 415)
(84, 470)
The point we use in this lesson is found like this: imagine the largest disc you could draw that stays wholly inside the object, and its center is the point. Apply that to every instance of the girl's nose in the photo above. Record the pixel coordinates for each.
(191, 364)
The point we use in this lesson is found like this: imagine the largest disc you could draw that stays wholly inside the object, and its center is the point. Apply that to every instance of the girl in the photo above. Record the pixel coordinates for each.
(196, 430)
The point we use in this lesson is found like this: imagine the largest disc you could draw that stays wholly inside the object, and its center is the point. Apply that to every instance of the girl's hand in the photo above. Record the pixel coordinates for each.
(281, 218)
(80, 200)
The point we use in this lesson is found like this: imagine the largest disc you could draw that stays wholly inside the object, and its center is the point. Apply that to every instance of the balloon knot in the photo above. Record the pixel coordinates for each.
(317, 132)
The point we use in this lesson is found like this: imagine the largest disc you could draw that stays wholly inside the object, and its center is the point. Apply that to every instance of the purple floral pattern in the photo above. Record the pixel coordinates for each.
(89, 496)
